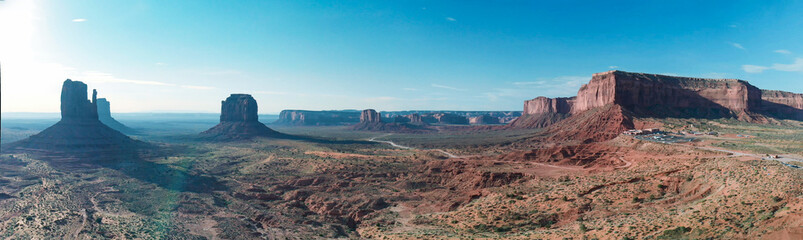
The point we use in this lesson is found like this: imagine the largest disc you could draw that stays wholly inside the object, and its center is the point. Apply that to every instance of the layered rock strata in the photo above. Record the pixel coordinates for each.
(654, 95)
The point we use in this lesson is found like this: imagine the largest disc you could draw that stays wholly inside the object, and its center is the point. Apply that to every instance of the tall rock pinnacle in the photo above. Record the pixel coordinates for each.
(74, 104)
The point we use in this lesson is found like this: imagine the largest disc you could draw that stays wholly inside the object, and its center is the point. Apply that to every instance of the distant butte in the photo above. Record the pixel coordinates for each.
(239, 120)
(105, 116)
(79, 130)
(371, 120)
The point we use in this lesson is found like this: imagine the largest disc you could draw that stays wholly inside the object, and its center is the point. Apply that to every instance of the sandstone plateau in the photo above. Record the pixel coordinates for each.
(653, 95)
(239, 120)
(79, 130)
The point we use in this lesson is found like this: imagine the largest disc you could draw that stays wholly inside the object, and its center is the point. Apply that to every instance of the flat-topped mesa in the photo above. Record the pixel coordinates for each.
(74, 102)
(639, 92)
(370, 116)
(239, 108)
(618, 95)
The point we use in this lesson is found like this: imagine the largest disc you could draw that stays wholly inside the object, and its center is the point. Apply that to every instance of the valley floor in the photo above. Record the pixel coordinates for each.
(444, 185)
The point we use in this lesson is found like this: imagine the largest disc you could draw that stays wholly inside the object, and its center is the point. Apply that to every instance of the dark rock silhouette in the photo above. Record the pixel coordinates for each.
(74, 104)
(239, 121)
(79, 132)
(105, 116)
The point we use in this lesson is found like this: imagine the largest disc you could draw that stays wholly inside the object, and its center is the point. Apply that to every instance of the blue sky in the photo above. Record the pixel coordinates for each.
(187, 56)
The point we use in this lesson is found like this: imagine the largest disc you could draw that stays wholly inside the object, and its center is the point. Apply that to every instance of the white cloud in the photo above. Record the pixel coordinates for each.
(556, 87)
(101, 77)
(612, 67)
(783, 51)
(272, 93)
(736, 45)
(529, 83)
(197, 87)
(796, 66)
(79, 20)
(753, 68)
(375, 99)
(447, 87)
(450, 19)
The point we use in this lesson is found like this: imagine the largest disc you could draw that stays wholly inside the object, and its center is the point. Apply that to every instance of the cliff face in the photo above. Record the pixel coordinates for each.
(656, 95)
(653, 95)
(370, 116)
(74, 104)
(239, 121)
(541, 105)
(370, 120)
(641, 92)
(415, 118)
(794, 100)
(239, 107)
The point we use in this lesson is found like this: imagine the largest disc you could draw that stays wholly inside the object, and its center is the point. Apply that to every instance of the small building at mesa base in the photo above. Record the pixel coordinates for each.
(642, 131)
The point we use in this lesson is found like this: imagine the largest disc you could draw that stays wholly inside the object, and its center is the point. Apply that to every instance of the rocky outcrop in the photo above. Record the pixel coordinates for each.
(542, 105)
(484, 119)
(239, 121)
(239, 108)
(450, 118)
(415, 118)
(542, 111)
(370, 120)
(780, 104)
(74, 104)
(317, 118)
(79, 132)
(654, 95)
(370, 116)
(105, 116)
(794, 100)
